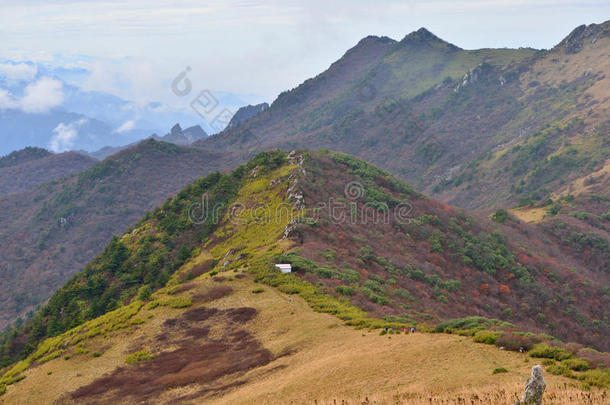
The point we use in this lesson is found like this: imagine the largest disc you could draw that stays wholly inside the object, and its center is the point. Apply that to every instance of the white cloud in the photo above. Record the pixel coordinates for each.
(17, 71)
(126, 126)
(65, 135)
(42, 95)
(7, 101)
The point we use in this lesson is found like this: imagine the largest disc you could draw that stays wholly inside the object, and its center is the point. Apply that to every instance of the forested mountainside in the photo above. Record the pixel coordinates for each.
(364, 247)
(30, 167)
(50, 232)
(394, 252)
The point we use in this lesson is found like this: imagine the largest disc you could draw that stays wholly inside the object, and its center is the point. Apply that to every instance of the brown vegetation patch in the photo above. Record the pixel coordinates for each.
(213, 294)
(183, 288)
(219, 279)
(202, 268)
(199, 359)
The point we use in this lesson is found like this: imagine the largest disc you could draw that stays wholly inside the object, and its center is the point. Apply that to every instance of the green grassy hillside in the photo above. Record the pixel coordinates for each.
(382, 256)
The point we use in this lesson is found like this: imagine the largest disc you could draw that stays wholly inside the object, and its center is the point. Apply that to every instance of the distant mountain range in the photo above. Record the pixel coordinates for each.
(41, 106)
(177, 136)
(476, 128)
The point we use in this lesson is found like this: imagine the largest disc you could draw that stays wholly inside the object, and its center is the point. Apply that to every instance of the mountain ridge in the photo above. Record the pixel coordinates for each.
(149, 292)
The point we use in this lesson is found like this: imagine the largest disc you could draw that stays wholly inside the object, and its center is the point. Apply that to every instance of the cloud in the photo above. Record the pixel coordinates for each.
(126, 126)
(18, 71)
(65, 134)
(7, 101)
(42, 95)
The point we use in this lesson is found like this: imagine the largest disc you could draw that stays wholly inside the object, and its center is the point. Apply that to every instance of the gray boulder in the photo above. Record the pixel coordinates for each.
(534, 388)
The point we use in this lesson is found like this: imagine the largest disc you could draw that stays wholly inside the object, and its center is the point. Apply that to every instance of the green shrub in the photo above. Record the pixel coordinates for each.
(515, 341)
(500, 216)
(543, 350)
(97, 354)
(137, 357)
(486, 336)
(600, 377)
(577, 364)
(474, 323)
(499, 370)
(145, 292)
(560, 369)
(258, 290)
(178, 302)
(344, 290)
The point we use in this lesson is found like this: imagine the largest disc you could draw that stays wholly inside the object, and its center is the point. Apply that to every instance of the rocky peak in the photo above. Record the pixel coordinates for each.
(245, 113)
(424, 37)
(584, 35)
(184, 137)
(176, 130)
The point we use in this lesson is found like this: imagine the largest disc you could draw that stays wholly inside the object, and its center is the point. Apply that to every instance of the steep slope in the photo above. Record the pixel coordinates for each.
(245, 113)
(480, 129)
(364, 246)
(51, 232)
(187, 305)
(30, 167)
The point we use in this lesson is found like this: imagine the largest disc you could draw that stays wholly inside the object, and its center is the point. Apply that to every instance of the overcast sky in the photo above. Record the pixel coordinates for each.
(135, 48)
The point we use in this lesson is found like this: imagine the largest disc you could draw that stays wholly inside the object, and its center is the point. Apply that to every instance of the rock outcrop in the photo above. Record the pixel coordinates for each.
(245, 113)
(534, 388)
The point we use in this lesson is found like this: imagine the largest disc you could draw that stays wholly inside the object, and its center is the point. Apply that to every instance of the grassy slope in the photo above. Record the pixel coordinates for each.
(327, 361)
(295, 337)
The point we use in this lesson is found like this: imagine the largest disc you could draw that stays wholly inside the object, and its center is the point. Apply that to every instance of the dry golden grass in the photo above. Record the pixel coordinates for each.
(532, 215)
(319, 359)
(557, 67)
(555, 395)
(580, 185)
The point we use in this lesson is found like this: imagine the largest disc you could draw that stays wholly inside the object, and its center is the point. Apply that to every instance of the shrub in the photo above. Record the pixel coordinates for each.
(499, 370)
(594, 357)
(137, 357)
(516, 341)
(145, 293)
(577, 364)
(258, 290)
(560, 369)
(344, 290)
(486, 336)
(178, 302)
(543, 350)
(500, 216)
(97, 354)
(598, 377)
